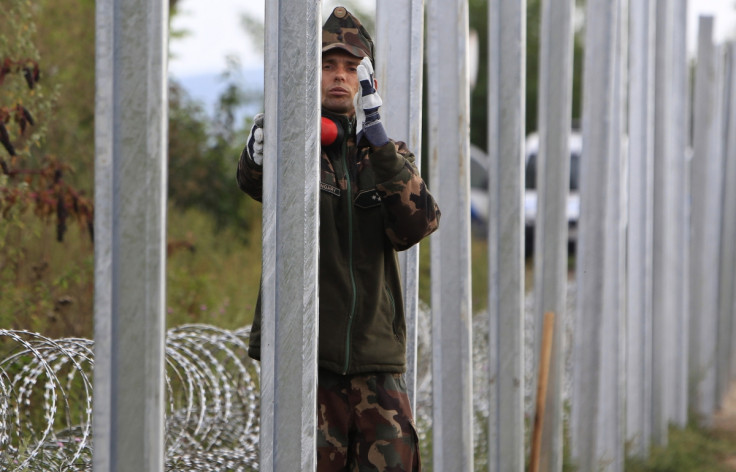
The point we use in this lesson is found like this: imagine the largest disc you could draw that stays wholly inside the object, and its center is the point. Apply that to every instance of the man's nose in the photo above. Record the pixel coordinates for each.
(340, 73)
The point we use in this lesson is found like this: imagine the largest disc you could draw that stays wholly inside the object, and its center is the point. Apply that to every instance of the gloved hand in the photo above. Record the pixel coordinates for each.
(255, 140)
(366, 103)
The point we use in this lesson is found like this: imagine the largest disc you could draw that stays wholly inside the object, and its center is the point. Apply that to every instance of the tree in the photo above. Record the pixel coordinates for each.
(36, 287)
(478, 102)
(30, 180)
(203, 153)
(47, 88)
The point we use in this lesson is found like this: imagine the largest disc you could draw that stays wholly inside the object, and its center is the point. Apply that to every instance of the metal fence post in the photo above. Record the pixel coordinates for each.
(639, 254)
(706, 174)
(725, 262)
(592, 410)
(449, 149)
(290, 236)
(681, 139)
(131, 142)
(507, 52)
(664, 288)
(103, 232)
(551, 231)
(610, 426)
(399, 69)
(728, 234)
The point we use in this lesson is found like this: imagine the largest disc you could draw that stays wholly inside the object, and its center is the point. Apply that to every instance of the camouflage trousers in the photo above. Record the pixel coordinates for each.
(364, 423)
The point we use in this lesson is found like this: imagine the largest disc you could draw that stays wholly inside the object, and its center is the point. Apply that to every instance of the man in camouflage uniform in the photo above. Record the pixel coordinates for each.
(373, 203)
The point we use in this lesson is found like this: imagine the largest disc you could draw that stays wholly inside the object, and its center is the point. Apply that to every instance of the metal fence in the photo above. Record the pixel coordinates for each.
(650, 339)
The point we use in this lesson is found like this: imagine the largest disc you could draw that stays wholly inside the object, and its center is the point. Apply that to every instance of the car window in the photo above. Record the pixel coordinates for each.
(478, 175)
(575, 171)
(531, 172)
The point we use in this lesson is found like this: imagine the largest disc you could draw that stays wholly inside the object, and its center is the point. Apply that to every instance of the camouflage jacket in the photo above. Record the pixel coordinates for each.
(372, 204)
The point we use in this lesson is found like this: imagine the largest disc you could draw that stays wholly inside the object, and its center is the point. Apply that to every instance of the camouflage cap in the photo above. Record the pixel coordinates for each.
(342, 30)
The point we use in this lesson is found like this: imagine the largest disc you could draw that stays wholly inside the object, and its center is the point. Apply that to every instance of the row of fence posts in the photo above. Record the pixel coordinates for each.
(655, 255)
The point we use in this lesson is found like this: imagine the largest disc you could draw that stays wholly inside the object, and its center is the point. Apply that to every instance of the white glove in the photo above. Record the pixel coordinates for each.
(255, 140)
(366, 103)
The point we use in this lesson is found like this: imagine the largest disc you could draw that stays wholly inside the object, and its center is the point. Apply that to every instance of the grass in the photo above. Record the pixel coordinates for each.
(212, 277)
(48, 286)
(45, 286)
(690, 449)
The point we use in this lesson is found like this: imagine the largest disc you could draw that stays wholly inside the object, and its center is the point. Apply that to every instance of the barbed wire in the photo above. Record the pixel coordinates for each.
(212, 420)
(212, 396)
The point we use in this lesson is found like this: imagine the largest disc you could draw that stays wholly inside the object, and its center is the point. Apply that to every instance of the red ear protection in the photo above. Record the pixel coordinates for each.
(331, 131)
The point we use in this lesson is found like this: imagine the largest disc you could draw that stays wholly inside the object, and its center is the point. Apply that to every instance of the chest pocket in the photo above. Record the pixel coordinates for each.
(368, 199)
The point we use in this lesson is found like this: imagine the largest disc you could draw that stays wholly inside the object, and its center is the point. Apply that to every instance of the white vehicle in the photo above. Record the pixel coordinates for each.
(479, 190)
(530, 193)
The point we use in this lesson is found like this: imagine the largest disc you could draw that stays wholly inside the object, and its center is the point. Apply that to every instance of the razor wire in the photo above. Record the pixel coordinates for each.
(58, 434)
(212, 396)
(212, 420)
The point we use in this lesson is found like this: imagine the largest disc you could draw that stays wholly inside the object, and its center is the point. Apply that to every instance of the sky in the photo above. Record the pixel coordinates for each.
(216, 32)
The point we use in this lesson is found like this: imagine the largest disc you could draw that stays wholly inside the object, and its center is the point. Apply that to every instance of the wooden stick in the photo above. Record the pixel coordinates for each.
(544, 360)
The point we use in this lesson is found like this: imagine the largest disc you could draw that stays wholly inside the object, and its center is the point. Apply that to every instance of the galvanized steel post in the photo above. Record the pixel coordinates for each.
(551, 227)
(706, 174)
(681, 120)
(131, 144)
(449, 148)
(639, 254)
(725, 268)
(290, 236)
(610, 428)
(399, 70)
(592, 409)
(666, 251)
(506, 126)
(104, 40)
(727, 299)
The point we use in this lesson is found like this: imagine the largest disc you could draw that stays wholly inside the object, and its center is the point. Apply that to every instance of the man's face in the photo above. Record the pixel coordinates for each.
(339, 81)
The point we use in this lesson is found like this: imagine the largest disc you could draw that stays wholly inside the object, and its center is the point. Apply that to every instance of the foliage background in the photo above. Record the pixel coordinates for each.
(213, 266)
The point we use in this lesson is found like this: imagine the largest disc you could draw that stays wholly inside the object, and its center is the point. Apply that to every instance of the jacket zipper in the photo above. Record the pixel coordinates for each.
(350, 248)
